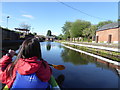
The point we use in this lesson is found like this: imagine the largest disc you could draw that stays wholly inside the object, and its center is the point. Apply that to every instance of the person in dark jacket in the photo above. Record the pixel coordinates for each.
(29, 60)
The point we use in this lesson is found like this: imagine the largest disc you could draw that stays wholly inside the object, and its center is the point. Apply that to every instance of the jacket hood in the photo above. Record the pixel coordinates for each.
(28, 65)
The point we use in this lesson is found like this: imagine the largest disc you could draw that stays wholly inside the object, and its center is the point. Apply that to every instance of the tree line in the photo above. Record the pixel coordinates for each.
(81, 28)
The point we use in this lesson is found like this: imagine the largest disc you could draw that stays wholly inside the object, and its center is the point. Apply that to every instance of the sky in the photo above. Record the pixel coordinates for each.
(44, 16)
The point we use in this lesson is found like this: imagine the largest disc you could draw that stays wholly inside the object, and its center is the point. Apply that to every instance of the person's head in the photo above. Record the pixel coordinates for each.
(29, 48)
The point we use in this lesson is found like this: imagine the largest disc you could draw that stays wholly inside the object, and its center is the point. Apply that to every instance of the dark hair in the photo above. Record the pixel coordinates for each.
(29, 48)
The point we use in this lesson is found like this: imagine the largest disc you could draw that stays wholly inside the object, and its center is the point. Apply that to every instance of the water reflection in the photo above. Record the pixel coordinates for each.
(108, 64)
(48, 46)
(85, 71)
(76, 58)
(114, 68)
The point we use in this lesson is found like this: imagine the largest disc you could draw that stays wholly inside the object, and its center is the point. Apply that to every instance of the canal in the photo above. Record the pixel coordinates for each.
(82, 71)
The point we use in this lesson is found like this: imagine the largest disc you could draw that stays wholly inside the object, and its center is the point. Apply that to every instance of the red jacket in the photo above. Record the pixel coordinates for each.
(24, 67)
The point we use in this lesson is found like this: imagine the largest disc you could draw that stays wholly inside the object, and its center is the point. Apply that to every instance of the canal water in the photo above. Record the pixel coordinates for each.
(82, 71)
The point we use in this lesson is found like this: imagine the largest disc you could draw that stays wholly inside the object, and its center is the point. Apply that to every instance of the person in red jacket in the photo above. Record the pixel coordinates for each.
(28, 61)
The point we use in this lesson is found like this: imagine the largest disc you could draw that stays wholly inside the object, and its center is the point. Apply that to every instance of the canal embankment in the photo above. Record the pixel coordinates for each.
(111, 55)
(102, 47)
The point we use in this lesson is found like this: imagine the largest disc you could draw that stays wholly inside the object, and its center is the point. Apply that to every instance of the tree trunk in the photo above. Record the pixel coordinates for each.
(88, 38)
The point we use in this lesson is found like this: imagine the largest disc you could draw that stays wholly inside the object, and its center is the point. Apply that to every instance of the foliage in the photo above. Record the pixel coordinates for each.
(66, 29)
(81, 28)
(49, 33)
(34, 33)
(60, 37)
(100, 24)
(30, 34)
(90, 32)
(77, 28)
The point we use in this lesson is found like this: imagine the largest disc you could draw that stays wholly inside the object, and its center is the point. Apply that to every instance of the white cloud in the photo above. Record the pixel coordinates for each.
(28, 16)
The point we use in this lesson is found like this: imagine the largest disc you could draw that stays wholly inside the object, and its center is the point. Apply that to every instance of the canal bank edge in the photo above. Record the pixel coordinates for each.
(106, 52)
(96, 56)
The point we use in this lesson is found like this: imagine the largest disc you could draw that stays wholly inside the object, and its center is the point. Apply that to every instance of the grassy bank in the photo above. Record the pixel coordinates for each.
(110, 45)
(104, 53)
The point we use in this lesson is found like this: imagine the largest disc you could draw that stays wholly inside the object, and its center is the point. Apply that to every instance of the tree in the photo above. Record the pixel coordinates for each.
(66, 29)
(25, 26)
(34, 33)
(77, 28)
(100, 24)
(49, 33)
(60, 37)
(90, 32)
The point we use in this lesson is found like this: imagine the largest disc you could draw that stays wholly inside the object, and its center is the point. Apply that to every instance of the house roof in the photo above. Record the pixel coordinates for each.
(109, 26)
